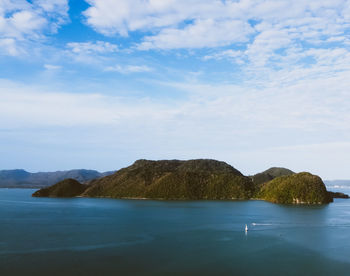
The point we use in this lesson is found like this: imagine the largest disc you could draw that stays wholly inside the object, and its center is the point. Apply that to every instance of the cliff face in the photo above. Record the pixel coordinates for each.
(174, 179)
(301, 188)
(66, 188)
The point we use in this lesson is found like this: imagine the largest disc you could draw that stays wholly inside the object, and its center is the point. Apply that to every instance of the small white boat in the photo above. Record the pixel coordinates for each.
(246, 228)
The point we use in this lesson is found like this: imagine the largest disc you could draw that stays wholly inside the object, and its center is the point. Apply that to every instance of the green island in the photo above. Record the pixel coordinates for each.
(66, 188)
(199, 179)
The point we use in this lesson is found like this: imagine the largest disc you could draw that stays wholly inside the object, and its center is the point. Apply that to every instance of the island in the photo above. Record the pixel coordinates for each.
(198, 179)
(338, 195)
(66, 188)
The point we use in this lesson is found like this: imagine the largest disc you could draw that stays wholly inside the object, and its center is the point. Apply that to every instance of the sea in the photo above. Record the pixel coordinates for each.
(95, 236)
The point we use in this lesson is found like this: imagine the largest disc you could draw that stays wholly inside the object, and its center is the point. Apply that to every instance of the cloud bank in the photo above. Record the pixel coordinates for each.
(22, 21)
(250, 82)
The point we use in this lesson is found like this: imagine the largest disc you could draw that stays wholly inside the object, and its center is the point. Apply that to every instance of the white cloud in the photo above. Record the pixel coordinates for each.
(8, 47)
(226, 110)
(265, 44)
(197, 24)
(52, 67)
(262, 37)
(53, 6)
(293, 78)
(22, 21)
(25, 22)
(248, 127)
(210, 21)
(125, 69)
(33, 107)
(95, 53)
(98, 47)
(226, 54)
(111, 17)
(202, 33)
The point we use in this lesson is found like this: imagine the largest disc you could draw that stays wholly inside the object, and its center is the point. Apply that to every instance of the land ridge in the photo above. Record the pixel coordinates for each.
(19, 178)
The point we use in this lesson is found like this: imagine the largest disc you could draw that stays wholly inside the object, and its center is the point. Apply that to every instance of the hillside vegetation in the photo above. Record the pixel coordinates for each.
(300, 188)
(65, 188)
(174, 179)
(196, 179)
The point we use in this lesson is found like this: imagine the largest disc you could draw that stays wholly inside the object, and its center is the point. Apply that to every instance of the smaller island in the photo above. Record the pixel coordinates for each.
(338, 195)
(66, 188)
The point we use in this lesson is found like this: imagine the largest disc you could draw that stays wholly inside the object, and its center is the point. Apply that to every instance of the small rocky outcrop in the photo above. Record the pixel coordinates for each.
(338, 195)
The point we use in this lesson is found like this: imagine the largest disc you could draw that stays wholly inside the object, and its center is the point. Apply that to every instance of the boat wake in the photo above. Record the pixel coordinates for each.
(262, 224)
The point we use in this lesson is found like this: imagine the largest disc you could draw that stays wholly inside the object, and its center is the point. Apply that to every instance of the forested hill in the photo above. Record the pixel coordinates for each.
(174, 179)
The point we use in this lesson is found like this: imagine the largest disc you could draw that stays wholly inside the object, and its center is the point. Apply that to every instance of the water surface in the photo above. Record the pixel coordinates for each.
(46, 236)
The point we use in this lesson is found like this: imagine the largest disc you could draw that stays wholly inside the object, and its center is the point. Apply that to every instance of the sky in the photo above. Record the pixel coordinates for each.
(98, 84)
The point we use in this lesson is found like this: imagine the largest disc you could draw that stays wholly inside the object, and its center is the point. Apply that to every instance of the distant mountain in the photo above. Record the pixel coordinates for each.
(24, 179)
(337, 183)
(270, 174)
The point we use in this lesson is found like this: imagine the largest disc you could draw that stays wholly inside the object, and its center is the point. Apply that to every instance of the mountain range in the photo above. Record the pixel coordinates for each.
(22, 179)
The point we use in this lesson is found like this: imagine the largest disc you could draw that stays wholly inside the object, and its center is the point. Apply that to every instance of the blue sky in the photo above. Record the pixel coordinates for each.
(100, 83)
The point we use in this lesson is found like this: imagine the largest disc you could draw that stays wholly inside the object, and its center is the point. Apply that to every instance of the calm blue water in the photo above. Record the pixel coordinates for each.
(42, 236)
